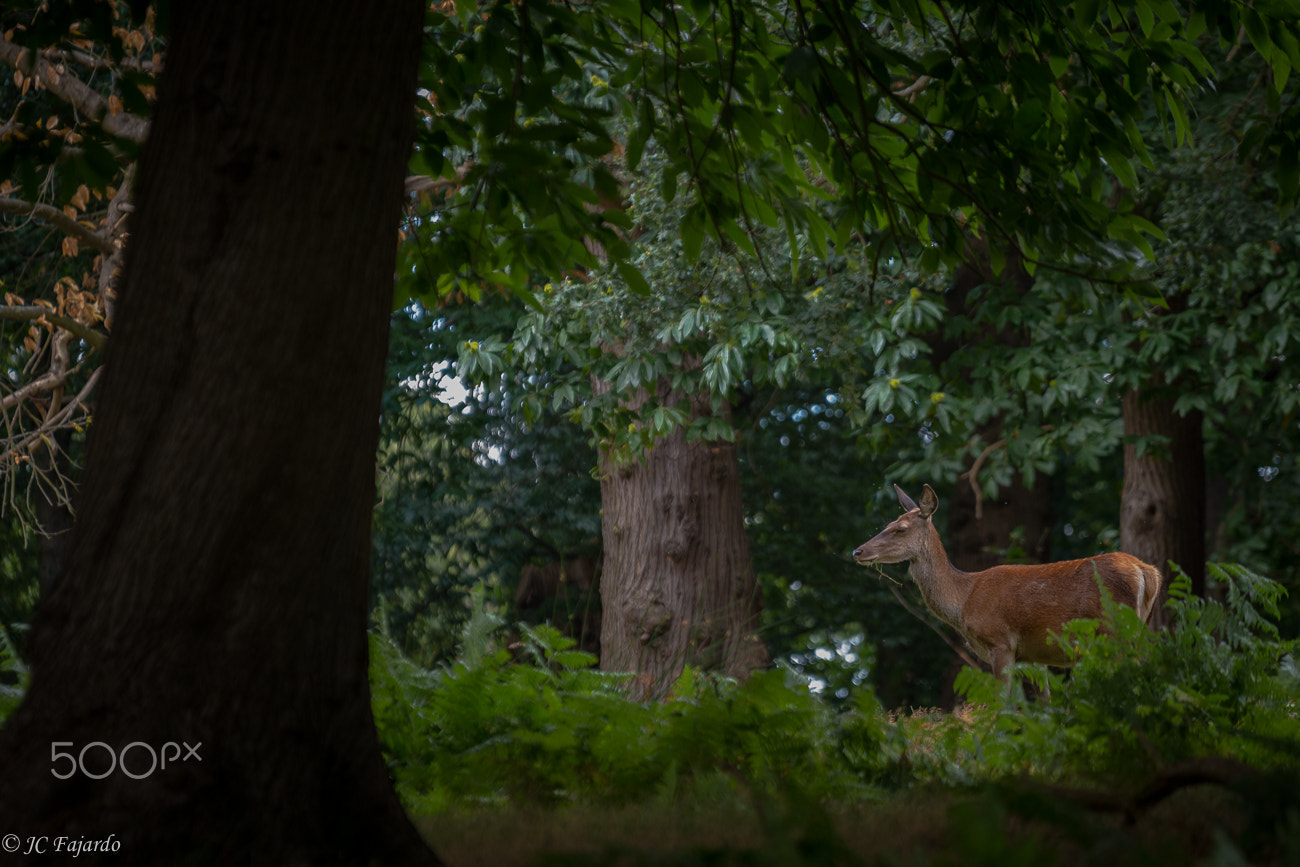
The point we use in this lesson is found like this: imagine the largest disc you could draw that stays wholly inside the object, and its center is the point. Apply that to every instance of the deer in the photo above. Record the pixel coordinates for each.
(1007, 613)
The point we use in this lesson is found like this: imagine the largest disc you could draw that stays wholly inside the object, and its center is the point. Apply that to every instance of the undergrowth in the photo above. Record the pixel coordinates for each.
(491, 730)
(1142, 715)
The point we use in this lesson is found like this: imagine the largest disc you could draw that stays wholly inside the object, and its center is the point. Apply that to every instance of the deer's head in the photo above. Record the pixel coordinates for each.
(906, 537)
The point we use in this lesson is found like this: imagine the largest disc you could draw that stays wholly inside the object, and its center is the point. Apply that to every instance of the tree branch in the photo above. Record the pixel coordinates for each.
(90, 61)
(96, 339)
(75, 93)
(910, 91)
(1218, 770)
(58, 220)
(30, 442)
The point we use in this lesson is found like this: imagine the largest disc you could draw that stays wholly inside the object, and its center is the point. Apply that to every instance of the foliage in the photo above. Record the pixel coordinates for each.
(553, 730)
(467, 495)
(927, 120)
(539, 727)
(542, 727)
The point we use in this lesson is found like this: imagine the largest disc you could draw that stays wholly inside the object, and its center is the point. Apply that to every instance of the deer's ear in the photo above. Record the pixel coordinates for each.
(904, 499)
(929, 502)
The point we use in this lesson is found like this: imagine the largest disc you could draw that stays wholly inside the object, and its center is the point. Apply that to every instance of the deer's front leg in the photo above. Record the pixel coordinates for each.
(1000, 658)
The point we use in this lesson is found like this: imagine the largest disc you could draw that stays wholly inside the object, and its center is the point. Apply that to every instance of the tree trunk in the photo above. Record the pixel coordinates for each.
(677, 587)
(53, 512)
(1162, 514)
(214, 591)
(978, 537)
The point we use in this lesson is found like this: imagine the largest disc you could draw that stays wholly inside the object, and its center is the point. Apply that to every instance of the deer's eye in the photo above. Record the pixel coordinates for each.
(900, 529)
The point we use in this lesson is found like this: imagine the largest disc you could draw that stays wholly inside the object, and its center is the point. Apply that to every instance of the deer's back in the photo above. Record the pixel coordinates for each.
(1029, 602)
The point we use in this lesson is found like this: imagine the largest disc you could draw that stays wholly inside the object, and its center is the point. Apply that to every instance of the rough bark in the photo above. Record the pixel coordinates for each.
(677, 586)
(1162, 513)
(214, 591)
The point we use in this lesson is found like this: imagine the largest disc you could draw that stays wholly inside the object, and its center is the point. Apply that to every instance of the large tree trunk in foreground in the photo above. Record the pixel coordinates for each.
(1162, 514)
(677, 587)
(214, 591)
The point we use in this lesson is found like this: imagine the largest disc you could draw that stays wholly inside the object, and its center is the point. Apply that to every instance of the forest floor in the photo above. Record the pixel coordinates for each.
(937, 826)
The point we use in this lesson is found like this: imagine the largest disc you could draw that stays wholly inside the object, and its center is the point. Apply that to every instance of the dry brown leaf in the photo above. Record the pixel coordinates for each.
(81, 197)
(70, 246)
(114, 104)
(70, 212)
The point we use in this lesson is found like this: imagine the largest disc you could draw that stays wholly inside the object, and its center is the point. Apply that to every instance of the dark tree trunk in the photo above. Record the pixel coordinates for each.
(53, 511)
(677, 587)
(1162, 515)
(214, 590)
(979, 538)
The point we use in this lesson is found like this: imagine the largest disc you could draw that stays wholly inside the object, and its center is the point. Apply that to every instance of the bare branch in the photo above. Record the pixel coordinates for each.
(32, 441)
(76, 93)
(910, 91)
(96, 339)
(90, 61)
(58, 220)
(36, 386)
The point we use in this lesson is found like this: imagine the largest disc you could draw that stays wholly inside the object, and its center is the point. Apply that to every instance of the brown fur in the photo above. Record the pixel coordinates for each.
(1007, 613)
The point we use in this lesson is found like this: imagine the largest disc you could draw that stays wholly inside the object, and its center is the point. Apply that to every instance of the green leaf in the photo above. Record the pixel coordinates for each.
(1146, 17)
(634, 279)
(1288, 171)
(1281, 68)
(1258, 32)
(801, 66)
(692, 232)
(668, 183)
(1085, 13)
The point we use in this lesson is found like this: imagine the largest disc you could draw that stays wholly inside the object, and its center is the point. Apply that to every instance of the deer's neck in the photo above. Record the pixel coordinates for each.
(944, 588)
